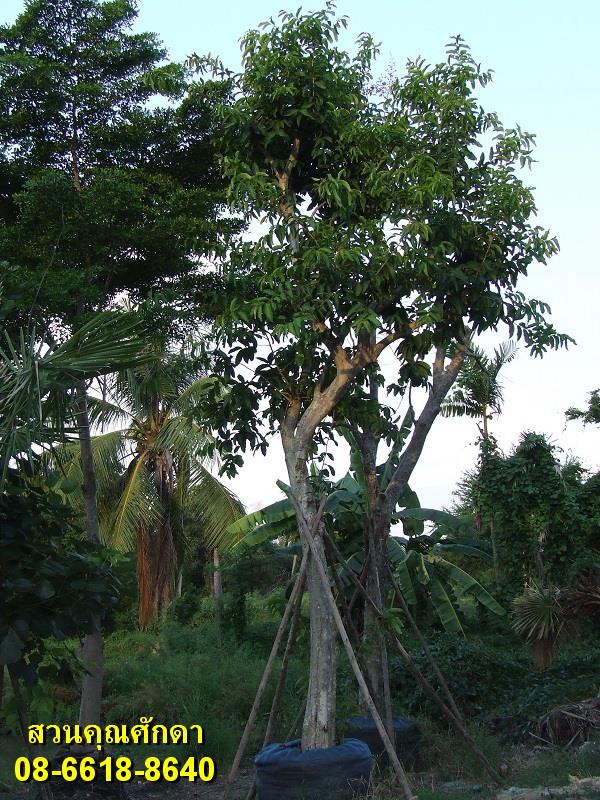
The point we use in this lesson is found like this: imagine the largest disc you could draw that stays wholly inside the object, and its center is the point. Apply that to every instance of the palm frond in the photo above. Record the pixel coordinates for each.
(215, 508)
(183, 437)
(188, 401)
(103, 412)
(36, 380)
(139, 507)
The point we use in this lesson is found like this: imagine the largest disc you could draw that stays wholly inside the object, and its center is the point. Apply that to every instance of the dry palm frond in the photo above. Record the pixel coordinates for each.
(584, 598)
(570, 724)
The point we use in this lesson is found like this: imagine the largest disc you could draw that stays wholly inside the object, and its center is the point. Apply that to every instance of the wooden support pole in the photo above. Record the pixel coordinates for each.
(424, 646)
(389, 747)
(284, 666)
(422, 680)
(296, 591)
(281, 680)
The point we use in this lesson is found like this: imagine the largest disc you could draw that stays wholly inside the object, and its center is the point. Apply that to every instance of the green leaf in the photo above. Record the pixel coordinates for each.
(444, 607)
(463, 583)
(11, 647)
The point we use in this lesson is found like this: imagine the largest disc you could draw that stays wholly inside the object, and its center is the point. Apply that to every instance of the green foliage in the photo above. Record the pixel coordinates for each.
(494, 681)
(590, 415)
(150, 674)
(104, 194)
(538, 509)
(385, 220)
(53, 586)
(246, 570)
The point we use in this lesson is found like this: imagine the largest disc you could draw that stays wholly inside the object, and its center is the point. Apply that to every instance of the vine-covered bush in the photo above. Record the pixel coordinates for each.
(545, 516)
(497, 683)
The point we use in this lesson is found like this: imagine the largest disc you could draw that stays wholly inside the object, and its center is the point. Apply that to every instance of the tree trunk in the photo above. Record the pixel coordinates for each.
(376, 532)
(377, 658)
(319, 719)
(218, 589)
(91, 654)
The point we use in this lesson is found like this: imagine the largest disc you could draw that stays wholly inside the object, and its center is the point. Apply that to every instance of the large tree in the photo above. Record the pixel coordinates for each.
(97, 193)
(387, 227)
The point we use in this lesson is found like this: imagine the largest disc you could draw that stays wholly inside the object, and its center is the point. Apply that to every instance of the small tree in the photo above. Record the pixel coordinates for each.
(385, 229)
(478, 392)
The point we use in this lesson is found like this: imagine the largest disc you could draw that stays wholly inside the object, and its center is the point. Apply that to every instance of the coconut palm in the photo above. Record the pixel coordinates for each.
(152, 467)
(478, 392)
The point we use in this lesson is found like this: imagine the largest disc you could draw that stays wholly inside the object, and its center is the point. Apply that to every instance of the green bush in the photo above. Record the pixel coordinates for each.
(496, 683)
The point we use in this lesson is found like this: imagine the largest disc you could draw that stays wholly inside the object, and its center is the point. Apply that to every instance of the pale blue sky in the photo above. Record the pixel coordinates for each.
(546, 79)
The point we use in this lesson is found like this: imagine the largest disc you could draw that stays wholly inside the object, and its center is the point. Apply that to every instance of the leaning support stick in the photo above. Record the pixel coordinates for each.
(395, 761)
(296, 592)
(424, 646)
(422, 680)
(281, 680)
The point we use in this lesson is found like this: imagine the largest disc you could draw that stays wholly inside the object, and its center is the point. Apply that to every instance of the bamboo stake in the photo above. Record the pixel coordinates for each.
(266, 674)
(271, 660)
(281, 680)
(395, 761)
(425, 646)
(284, 666)
(428, 688)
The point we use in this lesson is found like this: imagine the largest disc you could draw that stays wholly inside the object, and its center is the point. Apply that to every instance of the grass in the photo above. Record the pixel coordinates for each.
(193, 674)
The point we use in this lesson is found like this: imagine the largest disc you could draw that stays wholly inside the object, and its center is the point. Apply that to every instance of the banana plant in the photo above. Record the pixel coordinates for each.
(418, 559)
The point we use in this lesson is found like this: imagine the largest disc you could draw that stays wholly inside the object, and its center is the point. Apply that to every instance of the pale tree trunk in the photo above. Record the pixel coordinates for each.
(319, 719)
(218, 588)
(91, 655)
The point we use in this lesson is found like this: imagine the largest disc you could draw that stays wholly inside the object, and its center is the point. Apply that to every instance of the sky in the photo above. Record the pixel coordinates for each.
(546, 78)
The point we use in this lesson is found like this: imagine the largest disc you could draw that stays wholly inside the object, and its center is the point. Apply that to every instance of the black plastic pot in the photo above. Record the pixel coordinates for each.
(285, 772)
(408, 739)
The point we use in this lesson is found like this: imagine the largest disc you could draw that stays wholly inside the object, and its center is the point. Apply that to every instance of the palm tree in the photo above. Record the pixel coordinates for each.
(478, 392)
(42, 401)
(152, 469)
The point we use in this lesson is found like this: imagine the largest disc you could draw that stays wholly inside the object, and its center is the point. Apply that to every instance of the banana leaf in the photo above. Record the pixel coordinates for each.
(464, 583)
(444, 607)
